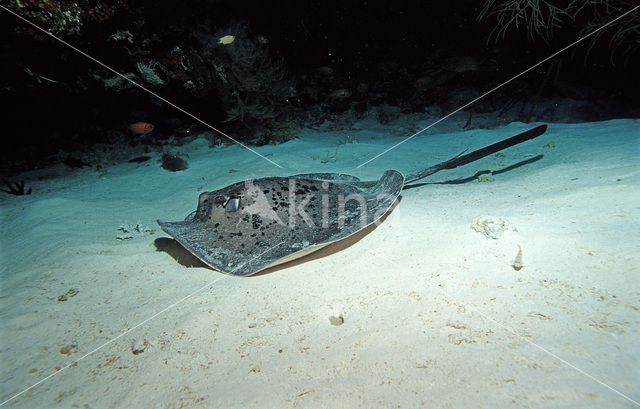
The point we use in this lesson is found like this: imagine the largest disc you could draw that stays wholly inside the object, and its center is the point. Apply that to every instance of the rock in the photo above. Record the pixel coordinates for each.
(173, 163)
(339, 320)
(70, 293)
(139, 346)
(69, 349)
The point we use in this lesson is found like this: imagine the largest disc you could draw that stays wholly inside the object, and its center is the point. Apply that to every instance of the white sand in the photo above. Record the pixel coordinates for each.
(434, 313)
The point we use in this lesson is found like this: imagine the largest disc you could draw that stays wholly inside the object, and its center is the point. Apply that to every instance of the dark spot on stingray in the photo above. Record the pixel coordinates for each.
(314, 188)
(216, 225)
(300, 192)
(265, 191)
(220, 237)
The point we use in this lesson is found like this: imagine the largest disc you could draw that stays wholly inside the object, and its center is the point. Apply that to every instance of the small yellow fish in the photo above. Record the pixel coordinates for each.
(226, 39)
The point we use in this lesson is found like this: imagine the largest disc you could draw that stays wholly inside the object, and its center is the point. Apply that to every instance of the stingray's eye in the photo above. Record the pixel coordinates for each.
(232, 204)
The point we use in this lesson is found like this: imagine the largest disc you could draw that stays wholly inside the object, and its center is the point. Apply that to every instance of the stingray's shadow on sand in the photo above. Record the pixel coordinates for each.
(181, 255)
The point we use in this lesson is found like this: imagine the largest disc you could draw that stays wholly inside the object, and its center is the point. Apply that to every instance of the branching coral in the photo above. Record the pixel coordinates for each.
(148, 72)
(253, 86)
(541, 17)
(624, 33)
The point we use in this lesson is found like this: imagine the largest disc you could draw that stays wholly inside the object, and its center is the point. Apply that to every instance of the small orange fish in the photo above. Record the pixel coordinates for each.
(141, 128)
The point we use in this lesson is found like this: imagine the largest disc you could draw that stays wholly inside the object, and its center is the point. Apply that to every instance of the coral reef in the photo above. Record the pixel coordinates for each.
(148, 72)
(335, 75)
(64, 17)
(253, 86)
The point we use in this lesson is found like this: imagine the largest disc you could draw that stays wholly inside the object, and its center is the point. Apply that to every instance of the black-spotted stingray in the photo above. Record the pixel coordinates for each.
(255, 224)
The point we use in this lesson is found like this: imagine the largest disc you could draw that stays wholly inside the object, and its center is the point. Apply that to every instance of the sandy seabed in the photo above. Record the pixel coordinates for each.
(425, 311)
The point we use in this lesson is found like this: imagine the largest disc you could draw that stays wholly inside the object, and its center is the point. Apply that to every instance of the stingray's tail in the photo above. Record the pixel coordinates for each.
(475, 155)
